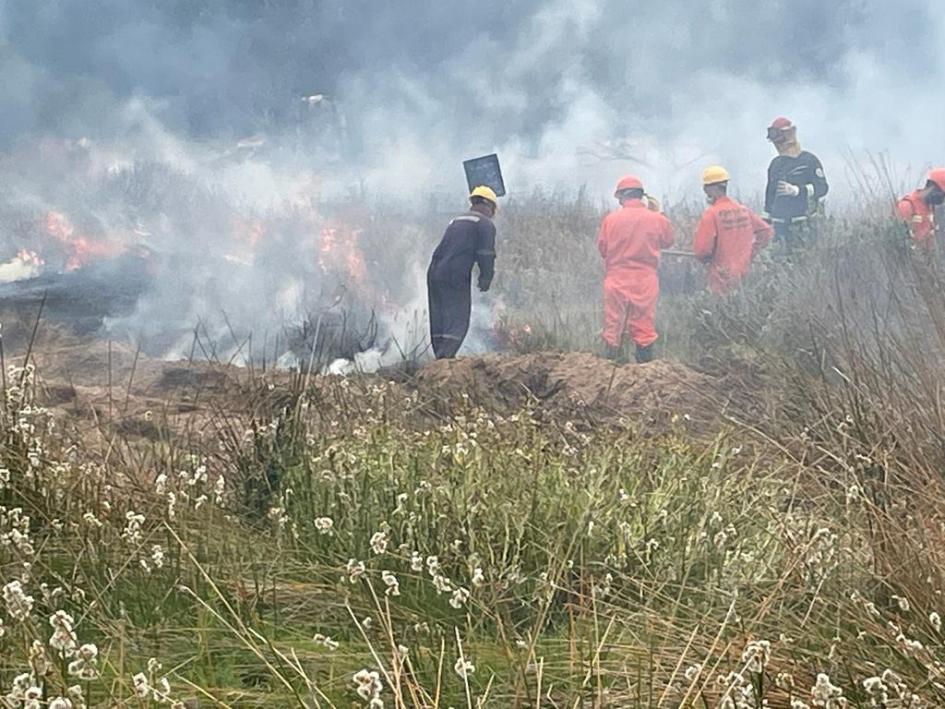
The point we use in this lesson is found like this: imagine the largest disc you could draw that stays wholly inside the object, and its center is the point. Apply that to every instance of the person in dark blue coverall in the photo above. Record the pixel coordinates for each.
(796, 186)
(469, 240)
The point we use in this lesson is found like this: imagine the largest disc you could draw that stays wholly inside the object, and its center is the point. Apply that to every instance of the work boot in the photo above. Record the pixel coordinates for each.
(645, 354)
(612, 352)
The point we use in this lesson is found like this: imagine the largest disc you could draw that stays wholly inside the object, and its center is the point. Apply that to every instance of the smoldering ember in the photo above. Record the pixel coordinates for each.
(537, 354)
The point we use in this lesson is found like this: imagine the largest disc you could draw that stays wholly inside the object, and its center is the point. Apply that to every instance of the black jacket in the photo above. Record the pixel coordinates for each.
(469, 239)
(806, 172)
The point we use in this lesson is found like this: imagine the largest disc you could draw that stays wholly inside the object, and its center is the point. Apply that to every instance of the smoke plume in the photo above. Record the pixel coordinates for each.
(203, 130)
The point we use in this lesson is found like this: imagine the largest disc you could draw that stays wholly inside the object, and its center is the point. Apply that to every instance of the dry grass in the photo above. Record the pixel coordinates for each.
(794, 559)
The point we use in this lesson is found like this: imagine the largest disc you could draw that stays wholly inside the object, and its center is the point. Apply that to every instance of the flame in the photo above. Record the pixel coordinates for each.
(511, 335)
(81, 249)
(247, 235)
(339, 251)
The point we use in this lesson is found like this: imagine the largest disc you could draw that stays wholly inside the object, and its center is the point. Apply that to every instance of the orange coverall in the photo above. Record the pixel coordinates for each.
(728, 237)
(919, 217)
(629, 241)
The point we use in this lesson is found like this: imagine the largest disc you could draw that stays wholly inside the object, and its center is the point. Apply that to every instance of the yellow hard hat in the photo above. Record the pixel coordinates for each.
(486, 193)
(714, 174)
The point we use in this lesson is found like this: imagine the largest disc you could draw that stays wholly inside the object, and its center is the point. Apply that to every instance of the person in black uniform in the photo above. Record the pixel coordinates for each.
(796, 185)
(469, 240)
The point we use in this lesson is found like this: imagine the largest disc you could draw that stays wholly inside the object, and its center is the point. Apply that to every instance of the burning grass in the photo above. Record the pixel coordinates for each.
(314, 541)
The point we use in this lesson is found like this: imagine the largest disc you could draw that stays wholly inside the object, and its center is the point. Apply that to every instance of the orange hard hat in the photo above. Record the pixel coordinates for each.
(628, 182)
(938, 177)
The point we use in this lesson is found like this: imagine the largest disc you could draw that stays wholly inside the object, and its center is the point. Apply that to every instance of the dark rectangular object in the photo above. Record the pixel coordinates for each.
(485, 171)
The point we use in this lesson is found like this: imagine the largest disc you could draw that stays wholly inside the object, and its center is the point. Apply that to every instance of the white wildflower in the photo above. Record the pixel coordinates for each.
(219, 487)
(326, 642)
(903, 603)
(325, 525)
(157, 556)
(936, 620)
(478, 578)
(141, 686)
(853, 493)
(603, 589)
(38, 660)
(278, 516)
(910, 646)
(463, 668)
(21, 683)
(63, 639)
(877, 690)
(355, 569)
(433, 565)
(692, 672)
(369, 685)
(132, 530)
(19, 604)
(32, 698)
(825, 694)
(442, 584)
(416, 561)
(60, 703)
(160, 484)
(85, 666)
(756, 655)
(390, 580)
(379, 542)
(459, 598)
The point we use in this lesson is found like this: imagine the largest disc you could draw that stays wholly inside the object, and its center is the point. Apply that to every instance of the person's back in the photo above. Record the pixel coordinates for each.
(460, 249)
(917, 209)
(728, 237)
(631, 237)
(629, 242)
(918, 216)
(469, 240)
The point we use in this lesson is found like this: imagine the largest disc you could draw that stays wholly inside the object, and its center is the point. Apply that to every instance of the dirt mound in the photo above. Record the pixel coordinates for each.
(91, 381)
(574, 386)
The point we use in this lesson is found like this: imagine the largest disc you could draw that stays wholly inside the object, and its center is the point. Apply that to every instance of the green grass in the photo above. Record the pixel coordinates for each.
(607, 567)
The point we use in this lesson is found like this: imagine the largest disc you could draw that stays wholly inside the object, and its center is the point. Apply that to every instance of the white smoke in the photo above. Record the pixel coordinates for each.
(571, 93)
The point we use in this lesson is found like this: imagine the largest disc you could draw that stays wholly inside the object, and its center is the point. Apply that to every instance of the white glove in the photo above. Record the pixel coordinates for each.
(787, 189)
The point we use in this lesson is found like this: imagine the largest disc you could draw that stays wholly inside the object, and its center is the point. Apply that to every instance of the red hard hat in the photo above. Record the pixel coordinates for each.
(938, 177)
(628, 182)
(781, 123)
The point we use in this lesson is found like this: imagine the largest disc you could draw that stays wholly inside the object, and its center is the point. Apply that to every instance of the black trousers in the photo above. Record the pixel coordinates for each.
(790, 238)
(450, 306)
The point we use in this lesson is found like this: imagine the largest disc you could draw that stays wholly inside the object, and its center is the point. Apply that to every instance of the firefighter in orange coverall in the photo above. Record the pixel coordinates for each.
(629, 241)
(917, 209)
(729, 234)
